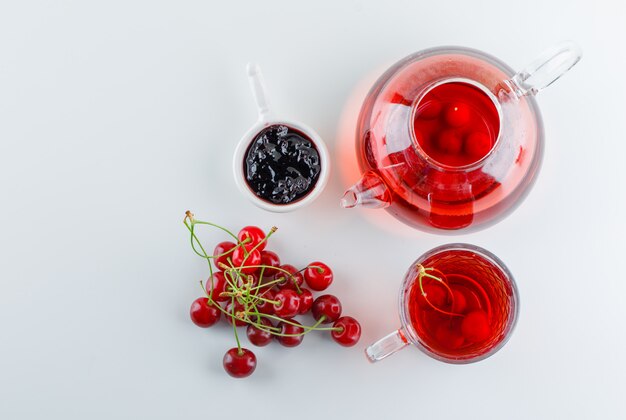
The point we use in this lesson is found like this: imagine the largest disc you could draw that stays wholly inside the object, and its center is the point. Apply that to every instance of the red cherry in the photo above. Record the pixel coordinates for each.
(220, 249)
(270, 258)
(238, 310)
(215, 285)
(450, 142)
(436, 294)
(448, 338)
(203, 313)
(293, 280)
(428, 110)
(291, 340)
(327, 306)
(472, 301)
(350, 331)
(244, 279)
(475, 326)
(253, 259)
(460, 301)
(288, 303)
(296, 277)
(318, 276)
(477, 145)
(254, 236)
(430, 320)
(257, 336)
(456, 114)
(306, 301)
(239, 363)
(263, 306)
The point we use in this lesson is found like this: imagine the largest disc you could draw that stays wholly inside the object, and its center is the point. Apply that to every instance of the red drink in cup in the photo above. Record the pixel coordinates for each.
(458, 304)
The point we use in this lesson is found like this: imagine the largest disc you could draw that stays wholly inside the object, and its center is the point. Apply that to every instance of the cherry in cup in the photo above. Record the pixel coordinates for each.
(475, 326)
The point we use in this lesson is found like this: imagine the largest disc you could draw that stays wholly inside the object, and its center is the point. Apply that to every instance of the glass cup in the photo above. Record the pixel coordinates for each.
(458, 304)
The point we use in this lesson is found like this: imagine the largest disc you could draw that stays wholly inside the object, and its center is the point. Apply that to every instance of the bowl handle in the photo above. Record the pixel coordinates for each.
(257, 86)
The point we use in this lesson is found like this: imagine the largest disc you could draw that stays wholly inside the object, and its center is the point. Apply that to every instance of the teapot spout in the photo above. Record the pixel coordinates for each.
(370, 192)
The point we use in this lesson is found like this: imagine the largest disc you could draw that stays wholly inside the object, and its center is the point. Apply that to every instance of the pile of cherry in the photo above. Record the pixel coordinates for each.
(249, 286)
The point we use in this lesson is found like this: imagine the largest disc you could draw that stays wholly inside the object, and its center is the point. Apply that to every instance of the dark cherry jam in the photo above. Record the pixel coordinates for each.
(281, 164)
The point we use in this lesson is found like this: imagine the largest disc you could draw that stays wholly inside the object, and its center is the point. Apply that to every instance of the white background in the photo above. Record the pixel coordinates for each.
(117, 116)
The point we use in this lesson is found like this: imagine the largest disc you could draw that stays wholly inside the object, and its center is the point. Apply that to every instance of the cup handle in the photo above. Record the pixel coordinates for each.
(386, 346)
(257, 86)
(546, 69)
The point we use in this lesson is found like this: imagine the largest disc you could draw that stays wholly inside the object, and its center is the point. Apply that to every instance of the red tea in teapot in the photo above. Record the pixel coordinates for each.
(460, 304)
(456, 124)
(451, 138)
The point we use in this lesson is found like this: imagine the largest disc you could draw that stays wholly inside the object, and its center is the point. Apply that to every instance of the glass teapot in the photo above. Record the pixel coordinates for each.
(451, 138)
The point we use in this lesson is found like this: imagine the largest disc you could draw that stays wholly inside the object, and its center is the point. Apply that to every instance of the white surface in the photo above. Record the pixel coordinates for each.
(117, 116)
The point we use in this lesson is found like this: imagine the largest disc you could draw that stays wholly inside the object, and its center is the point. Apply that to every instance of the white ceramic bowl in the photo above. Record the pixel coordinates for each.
(266, 119)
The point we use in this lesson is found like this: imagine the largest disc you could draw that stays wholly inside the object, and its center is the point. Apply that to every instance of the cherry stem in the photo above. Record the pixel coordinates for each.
(307, 329)
(230, 251)
(232, 317)
(273, 302)
(314, 327)
(319, 269)
(256, 288)
(200, 222)
(194, 237)
(422, 272)
(230, 280)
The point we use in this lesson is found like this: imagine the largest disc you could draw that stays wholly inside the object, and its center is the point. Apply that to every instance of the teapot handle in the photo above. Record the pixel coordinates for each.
(545, 69)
